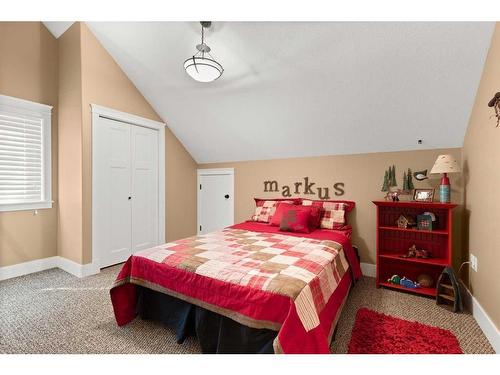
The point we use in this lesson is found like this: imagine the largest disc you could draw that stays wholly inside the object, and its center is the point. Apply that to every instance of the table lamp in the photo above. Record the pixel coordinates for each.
(445, 164)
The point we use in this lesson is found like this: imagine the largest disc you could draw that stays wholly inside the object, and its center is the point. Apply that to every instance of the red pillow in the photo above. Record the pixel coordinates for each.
(315, 216)
(296, 220)
(282, 208)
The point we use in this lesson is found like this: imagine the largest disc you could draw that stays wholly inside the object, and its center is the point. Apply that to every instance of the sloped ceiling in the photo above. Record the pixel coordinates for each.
(307, 89)
(57, 28)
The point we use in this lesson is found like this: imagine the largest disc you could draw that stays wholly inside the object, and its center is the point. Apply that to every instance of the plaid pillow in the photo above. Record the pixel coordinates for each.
(349, 205)
(333, 218)
(333, 214)
(260, 201)
(265, 211)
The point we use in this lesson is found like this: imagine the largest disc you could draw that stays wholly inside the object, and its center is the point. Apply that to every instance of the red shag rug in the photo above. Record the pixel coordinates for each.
(376, 333)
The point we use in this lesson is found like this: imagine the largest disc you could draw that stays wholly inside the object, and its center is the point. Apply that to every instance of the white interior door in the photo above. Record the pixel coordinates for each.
(215, 199)
(144, 156)
(125, 190)
(112, 218)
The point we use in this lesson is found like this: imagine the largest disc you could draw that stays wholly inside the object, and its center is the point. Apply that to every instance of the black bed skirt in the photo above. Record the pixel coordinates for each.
(215, 333)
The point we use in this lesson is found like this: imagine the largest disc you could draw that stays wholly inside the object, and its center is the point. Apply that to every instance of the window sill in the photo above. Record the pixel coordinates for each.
(25, 206)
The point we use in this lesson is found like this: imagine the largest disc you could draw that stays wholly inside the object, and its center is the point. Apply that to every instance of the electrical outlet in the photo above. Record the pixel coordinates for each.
(473, 262)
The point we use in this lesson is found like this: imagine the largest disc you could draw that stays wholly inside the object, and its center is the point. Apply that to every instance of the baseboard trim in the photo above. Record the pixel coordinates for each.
(38, 265)
(369, 269)
(483, 320)
(21, 269)
(76, 269)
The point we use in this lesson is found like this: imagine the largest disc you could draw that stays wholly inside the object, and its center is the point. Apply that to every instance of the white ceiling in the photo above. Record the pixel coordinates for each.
(307, 89)
(57, 28)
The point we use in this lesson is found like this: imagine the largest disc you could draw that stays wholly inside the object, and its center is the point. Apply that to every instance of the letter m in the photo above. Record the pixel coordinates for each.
(270, 186)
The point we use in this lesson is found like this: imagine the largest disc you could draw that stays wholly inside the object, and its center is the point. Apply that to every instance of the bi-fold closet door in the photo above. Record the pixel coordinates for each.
(125, 190)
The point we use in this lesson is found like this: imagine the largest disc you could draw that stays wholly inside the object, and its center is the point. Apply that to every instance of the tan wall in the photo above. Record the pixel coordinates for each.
(481, 166)
(180, 190)
(362, 175)
(70, 237)
(30, 57)
(104, 83)
(28, 70)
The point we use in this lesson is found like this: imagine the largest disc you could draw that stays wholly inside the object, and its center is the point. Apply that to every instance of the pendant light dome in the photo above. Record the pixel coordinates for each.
(202, 67)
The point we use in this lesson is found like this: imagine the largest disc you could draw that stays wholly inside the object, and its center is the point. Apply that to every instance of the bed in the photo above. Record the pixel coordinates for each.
(249, 288)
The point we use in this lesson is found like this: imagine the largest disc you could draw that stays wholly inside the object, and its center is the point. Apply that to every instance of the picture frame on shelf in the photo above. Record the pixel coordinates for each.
(423, 195)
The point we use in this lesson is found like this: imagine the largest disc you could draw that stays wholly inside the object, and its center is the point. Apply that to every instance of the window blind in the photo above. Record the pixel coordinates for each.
(21, 159)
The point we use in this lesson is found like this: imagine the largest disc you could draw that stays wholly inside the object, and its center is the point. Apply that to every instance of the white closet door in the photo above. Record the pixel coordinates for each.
(112, 171)
(144, 156)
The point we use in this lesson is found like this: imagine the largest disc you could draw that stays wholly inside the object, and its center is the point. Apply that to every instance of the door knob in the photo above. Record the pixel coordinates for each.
(226, 196)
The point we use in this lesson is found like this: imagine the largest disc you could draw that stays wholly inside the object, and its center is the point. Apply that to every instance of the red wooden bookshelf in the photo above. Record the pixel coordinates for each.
(392, 242)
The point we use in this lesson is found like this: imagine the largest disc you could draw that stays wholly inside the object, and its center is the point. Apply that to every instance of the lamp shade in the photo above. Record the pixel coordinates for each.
(203, 69)
(445, 164)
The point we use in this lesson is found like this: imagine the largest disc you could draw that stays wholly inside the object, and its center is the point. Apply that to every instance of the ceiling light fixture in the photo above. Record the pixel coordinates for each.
(200, 67)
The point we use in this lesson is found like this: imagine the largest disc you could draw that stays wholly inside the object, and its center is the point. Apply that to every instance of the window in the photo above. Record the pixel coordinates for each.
(25, 154)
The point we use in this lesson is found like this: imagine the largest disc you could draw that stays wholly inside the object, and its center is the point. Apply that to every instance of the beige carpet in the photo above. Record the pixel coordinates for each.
(55, 312)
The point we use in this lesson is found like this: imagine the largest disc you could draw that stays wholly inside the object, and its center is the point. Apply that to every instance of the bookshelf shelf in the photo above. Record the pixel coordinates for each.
(393, 242)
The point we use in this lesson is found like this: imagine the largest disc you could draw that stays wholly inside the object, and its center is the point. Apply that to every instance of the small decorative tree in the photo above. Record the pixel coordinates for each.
(385, 186)
(409, 176)
(392, 181)
(405, 182)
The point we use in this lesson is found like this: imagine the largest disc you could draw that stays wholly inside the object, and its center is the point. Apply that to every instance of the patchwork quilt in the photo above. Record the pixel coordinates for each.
(262, 280)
